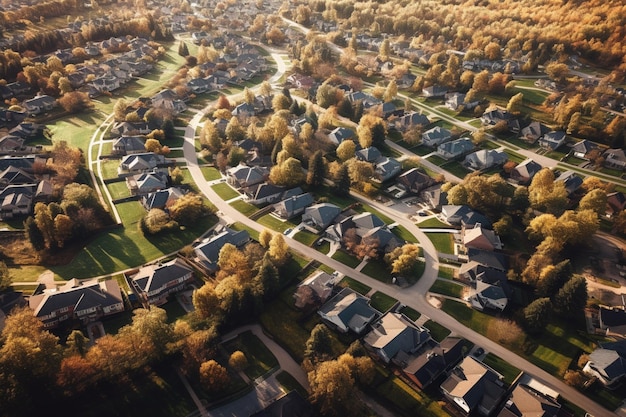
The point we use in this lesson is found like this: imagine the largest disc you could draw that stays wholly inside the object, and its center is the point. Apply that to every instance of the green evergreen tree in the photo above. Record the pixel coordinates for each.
(572, 298)
(537, 314)
(315, 174)
(342, 182)
(182, 49)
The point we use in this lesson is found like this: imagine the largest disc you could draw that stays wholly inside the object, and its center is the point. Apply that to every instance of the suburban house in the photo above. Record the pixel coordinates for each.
(435, 91)
(39, 104)
(369, 154)
(478, 237)
(243, 176)
(414, 181)
(169, 100)
(264, 193)
(571, 180)
(208, 251)
(140, 162)
(130, 128)
(425, 368)
(395, 335)
(17, 200)
(613, 321)
(293, 206)
(154, 283)
(488, 296)
(347, 311)
(85, 302)
(581, 149)
(553, 140)
(368, 228)
(487, 259)
(456, 101)
(485, 159)
(455, 149)
(615, 203)
(435, 197)
(492, 117)
(339, 134)
(319, 216)
(530, 398)
(408, 120)
(147, 182)
(11, 144)
(615, 159)
(386, 168)
(533, 132)
(474, 387)
(315, 290)
(126, 145)
(436, 136)
(161, 199)
(523, 173)
(608, 363)
(15, 176)
(461, 215)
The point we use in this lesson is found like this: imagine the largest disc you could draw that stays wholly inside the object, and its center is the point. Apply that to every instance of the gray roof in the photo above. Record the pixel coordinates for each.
(395, 333)
(293, 205)
(160, 198)
(210, 248)
(350, 308)
(367, 220)
(154, 277)
(369, 154)
(321, 215)
(485, 158)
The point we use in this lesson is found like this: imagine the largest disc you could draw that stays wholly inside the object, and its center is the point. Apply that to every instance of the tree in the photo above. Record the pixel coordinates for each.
(571, 299)
(238, 361)
(183, 50)
(481, 82)
(234, 131)
(544, 193)
(77, 343)
(188, 209)
(391, 91)
(267, 279)
(153, 145)
(318, 345)
(75, 101)
(537, 314)
(342, 181)
(233, 262)
(157, 221)
(515, 103)
(574, 123)
(403, 260)
(574, 378)
(503, 226)
(205, 300)
(265, 237)
(327, 95)
(119, 109)
(278, 250)
(346, 150)
(5, 276)
(288, 174)
(333, 389)
(315, 174)
(385, 50)
(45, 224)
(360, 171)
(34, 235)
(557, 71)
(153, 325)
(280, 102)
(594, 200)
(553, 277)
(223, 103)
(63, 229)
(214, 377)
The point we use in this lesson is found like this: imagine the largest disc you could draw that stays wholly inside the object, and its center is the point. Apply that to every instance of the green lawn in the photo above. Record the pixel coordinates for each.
(446, 272)
(76, 130)
(437, 331)
(211, 173)
(306, 237)
(278, 225)
(411, 313)
(225, 191)
(123, 248)
(377, 270)
(327, 194)
(404, 234)
(508, 371)
(346, 259)
(455, 168)
(355, 285)
(109, 168)
(382, 302)
(434, 222)
(446, 287)
(245, 208)
(323, 248)
(443, 242)
(119, 190)
(260, 358)
(515, 157)
(406, 401)
(240, 226)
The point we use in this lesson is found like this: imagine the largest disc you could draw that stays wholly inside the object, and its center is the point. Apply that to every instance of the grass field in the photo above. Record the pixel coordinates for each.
(377, 270)
(306, 237)
(355, 285)
(225, 191)
(278, 225)
(244, 208)
(442, 241)
(446, 272)
(382, 302)
(434, 222)
(446, 287)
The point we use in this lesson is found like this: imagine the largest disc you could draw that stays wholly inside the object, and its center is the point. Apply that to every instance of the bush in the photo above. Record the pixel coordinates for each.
(157, 221)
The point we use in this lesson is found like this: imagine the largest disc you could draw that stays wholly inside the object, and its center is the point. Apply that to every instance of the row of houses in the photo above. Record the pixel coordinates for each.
(395, 340)
(20, 187)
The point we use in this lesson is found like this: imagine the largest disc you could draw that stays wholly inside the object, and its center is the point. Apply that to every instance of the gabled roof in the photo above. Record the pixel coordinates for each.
(436, 135)
(244, 174)
(130, 144)
(609, 361)
(553, 139)
(153, 277)
(534, 131)
(485, 158)
(583, 147)
(415, 180)
(387, 168)
(159, 199)
(340, 134)
(142, 161)
(430, 364)
(367, 220)
(571, 180)
(385, 238)
(527, 169)
(369, 154)
(289, 206)
(320, 283)
(613, 320)
(13, 175)
(149, 181)
(528, 402)
(481, 238)
(321, 215)
(349, 307)
(262, 191)
(456, 147)
(395, 333)
(413, 119)
(489, 259)
(209, 249)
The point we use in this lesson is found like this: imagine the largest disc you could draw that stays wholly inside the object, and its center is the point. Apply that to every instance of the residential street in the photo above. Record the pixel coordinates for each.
(413, 296)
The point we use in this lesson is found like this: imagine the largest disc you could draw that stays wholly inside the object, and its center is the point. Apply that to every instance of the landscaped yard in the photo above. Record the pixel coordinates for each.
(211, 173)
(411, 313)
(260, 358)
(446, 272)
(508, 371)
(119, 190)
(355, 285)
(346, 259)
(382, 302)
(245, 208)
(225, 191)
(306, 237)
(443, 242)
(278, 225)
(434, 223)
(378, 270)
(446, 287)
